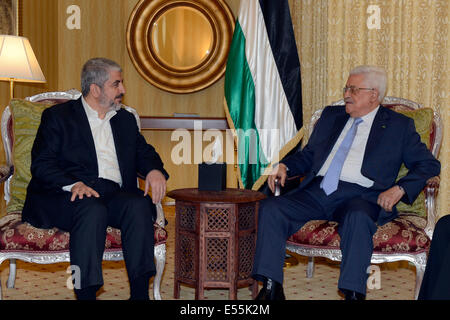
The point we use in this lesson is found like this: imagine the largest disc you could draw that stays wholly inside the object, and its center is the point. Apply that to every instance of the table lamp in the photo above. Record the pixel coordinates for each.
(18, 62)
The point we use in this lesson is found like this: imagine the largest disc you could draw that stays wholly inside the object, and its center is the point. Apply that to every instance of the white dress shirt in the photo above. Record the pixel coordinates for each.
(351, 170)
(108, 165)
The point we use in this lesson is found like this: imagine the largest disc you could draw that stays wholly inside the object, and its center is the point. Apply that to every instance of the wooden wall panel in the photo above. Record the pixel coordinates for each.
(186, 175)
(101, 35)
(39, 25)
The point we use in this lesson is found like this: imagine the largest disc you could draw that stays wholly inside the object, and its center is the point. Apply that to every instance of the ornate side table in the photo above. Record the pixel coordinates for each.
(215, 239)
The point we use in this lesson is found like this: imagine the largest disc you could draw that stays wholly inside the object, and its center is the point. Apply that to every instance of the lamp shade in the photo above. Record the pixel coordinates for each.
(17, 60)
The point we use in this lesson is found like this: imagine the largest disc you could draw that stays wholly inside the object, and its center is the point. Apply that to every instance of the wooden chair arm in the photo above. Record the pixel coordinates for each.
(160, 218)
(5, 172)
(278, 186)
(431, 190)
(433, 182)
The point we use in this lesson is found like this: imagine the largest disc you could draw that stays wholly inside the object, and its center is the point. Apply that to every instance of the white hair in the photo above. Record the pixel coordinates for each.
(374, 77)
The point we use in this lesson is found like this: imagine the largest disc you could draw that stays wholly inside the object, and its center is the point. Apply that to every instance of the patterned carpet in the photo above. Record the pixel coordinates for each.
(48, 282)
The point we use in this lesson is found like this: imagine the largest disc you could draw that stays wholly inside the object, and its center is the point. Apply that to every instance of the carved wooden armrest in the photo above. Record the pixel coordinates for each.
(278, 186)
(160, 218)
(431, 190)
(5, 172)
(433, 182)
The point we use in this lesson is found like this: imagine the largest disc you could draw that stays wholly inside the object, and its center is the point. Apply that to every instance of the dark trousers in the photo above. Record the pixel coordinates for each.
(436, 280)
(280, 217)
(87, 220)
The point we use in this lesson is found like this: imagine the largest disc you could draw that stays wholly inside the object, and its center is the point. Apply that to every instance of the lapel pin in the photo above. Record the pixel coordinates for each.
(383, 126)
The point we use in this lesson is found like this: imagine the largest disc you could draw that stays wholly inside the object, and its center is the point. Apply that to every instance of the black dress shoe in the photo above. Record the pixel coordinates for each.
(88, 293)
(353, 295)
(271, 290)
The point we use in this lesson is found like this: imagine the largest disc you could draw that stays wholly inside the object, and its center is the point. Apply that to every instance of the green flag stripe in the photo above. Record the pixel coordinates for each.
(240, 96)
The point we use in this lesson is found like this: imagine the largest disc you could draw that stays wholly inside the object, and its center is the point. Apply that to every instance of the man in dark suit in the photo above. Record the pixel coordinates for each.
(350, 165)
(86, 158)
(436, 280)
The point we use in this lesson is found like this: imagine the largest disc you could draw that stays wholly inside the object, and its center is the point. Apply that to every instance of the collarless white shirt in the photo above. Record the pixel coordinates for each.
(351, 170)
(108, 165)
(105, 149)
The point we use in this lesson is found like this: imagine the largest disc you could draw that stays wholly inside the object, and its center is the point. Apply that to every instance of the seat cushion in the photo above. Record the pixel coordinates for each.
(423, 120)
(403, 234)
(17, 235)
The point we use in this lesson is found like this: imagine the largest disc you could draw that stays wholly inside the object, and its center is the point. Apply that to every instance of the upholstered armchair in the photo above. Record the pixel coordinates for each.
(408, 236)
(20, 240)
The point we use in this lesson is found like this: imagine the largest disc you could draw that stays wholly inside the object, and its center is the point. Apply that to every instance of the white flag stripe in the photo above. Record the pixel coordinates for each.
(272, 109)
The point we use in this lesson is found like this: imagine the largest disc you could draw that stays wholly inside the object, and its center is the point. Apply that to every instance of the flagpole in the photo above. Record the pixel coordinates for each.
(235, 143)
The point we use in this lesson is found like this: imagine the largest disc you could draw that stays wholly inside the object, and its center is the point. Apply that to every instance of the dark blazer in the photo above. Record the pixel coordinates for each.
(393, 140)
(64, 153)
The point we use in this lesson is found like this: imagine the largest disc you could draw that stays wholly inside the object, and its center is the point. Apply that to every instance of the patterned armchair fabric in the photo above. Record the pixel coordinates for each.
(21, 240)
(402, 235)
(18, 235)
(407, 237)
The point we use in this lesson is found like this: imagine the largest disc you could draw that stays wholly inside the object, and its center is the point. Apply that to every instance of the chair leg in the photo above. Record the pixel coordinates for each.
(160, 257)
(254, 289)
(310, 268)
(420, 271)
(12, 273)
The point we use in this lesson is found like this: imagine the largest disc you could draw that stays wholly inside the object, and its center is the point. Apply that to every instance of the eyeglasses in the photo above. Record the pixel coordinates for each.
(354, 90)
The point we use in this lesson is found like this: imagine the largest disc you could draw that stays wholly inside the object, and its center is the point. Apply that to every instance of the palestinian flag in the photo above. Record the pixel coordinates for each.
(263, 100)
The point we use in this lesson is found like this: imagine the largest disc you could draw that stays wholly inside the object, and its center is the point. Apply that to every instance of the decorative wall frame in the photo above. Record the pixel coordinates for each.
(150, 42)
(10, 17)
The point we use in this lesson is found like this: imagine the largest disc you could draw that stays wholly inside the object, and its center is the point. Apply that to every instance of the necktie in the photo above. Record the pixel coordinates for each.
(331, 179)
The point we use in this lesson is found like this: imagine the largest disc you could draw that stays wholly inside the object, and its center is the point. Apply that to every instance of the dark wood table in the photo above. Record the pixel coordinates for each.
(215, 239)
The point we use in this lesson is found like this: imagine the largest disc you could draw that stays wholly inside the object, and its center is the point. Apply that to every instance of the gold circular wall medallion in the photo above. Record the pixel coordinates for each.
(180, 46)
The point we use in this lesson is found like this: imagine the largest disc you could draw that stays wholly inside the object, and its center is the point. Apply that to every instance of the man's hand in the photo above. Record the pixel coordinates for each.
(278, 172)
(390, 197)
(155, 180)
(80, 189)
